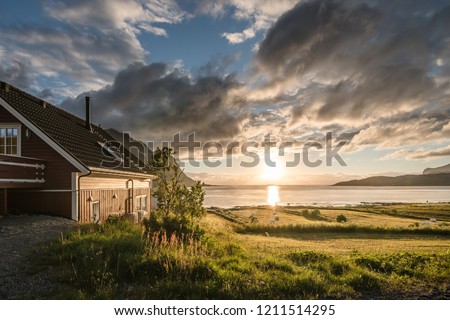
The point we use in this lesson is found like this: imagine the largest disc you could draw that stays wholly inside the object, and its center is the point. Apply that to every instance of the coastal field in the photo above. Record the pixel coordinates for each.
(380, 252)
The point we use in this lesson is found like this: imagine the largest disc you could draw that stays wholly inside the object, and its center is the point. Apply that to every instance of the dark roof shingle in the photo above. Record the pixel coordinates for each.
(64, 128)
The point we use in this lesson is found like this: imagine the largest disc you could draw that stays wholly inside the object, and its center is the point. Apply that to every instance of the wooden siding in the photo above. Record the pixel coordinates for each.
(107, 182)
(13, 168)
(109, 205)
(57, 175)
(116, 195)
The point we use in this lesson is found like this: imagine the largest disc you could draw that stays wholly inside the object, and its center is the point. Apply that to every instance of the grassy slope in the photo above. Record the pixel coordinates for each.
(113, 261)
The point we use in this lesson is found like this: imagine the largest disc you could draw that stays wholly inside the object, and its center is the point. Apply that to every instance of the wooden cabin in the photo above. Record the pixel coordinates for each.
(56, 163)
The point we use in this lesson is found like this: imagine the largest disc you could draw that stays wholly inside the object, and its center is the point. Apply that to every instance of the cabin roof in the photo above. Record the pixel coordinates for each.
(68, 131)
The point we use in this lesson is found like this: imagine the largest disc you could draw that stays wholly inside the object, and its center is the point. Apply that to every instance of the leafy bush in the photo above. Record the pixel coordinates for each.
(341, 218)
(179, 207)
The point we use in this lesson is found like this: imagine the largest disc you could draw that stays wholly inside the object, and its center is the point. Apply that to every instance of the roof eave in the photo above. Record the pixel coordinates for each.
(118, 172)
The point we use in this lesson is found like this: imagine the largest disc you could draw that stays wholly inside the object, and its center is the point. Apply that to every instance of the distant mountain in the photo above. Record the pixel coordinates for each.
(443, 169)
(442, 179)
(118, 136)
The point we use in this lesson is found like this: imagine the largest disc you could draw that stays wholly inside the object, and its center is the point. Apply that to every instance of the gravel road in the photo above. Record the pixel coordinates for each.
(19, 235)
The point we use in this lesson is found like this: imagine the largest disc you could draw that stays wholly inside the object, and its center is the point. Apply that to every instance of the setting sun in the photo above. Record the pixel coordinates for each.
(272, 174)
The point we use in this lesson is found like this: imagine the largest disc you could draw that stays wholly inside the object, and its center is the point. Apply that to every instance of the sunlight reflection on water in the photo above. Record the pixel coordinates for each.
(273, 195)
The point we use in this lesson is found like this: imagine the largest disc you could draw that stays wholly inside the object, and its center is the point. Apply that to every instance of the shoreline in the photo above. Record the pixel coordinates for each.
(331, 206)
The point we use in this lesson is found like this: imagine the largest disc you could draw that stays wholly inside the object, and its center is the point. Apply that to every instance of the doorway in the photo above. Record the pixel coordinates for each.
(95, 211)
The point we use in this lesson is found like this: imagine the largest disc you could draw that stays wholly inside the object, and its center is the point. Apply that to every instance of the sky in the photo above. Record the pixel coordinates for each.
(374, 73)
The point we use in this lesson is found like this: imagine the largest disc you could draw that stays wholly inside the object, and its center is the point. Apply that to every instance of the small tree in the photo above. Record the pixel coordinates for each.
(341, 218)
(179, 208)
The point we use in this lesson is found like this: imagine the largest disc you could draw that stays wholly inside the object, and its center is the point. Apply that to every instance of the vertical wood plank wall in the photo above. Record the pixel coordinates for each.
(103, 189)
(109, 205)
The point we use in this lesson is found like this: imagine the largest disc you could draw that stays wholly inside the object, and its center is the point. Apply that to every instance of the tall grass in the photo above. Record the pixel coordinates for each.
(178, 256)
(116, 261)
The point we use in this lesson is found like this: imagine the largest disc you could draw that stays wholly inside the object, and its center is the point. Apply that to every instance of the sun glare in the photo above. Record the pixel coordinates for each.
(272, 174)
(273, 196)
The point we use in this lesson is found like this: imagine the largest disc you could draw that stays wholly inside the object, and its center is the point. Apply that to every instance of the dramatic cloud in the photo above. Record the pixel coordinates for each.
(375, 72)
(156, 101)
(85, 42)
(363, 65)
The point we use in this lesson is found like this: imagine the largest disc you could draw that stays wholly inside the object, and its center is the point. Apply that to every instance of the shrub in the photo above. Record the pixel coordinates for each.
(341, 218)
(179, 207)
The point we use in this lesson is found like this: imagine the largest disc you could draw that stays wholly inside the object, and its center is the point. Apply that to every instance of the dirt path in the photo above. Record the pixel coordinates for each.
(19, 235)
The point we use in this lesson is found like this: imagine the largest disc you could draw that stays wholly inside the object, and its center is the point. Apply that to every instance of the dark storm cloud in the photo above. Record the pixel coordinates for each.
(312, 32)
(385, 89)
(17, 73)
(156, 101)
(366, 58)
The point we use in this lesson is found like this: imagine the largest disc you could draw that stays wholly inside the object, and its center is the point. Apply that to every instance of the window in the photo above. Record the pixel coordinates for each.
(10, 139)
(141, 203)
(95, 211)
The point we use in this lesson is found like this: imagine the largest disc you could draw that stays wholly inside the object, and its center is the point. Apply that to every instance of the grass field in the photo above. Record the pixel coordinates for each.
(371, 256)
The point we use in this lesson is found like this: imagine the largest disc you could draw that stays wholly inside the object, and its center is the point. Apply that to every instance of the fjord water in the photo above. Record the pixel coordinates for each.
(230, 196)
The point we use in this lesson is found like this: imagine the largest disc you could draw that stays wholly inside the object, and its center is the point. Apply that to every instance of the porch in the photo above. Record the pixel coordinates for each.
(19, 172)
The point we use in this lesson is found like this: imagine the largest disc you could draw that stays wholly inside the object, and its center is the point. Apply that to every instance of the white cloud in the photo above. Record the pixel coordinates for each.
(259, 14)
(73, 52)
(125, 15)
(418, 154)
(239, 37)
(155, 30)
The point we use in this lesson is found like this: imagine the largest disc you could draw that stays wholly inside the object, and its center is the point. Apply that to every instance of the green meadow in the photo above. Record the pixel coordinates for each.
(380, 252)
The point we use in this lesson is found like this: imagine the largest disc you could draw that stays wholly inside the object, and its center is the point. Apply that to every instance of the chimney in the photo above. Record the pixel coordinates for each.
(88, 114)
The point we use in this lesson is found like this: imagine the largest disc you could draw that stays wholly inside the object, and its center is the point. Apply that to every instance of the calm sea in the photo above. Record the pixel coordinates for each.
(230, 196)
